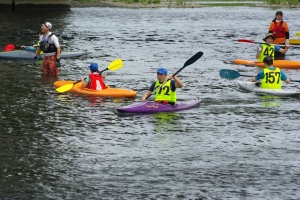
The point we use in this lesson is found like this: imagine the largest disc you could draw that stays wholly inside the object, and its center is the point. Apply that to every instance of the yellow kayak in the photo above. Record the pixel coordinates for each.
(295, 40)
(108, 92)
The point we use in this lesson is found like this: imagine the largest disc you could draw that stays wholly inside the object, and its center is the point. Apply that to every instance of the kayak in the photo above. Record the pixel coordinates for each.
(108, 92)
(283, 64)
(294, 41)
(252, 87)
(29, 55)
(152, 107)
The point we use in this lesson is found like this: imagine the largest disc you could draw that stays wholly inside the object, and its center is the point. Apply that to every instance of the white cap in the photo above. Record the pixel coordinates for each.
(48, 24)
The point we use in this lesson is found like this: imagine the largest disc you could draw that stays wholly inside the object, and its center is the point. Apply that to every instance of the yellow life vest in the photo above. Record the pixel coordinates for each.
(38, 43)
(267, 50)
(165, 93)
(272, 79)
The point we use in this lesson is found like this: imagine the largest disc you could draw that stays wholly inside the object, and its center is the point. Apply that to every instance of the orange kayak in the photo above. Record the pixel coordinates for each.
(283, 64)
(108, 92)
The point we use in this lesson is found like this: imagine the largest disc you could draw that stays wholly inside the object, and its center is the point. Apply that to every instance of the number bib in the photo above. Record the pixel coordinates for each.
(267, 50)
(272, 79)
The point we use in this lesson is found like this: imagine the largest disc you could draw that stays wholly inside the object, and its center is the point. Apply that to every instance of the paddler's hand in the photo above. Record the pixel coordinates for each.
(58, 62)
(170, 77)
(34, 60)
(259, 48)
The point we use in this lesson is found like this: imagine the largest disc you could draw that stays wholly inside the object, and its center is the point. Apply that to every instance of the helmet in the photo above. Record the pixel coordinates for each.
(268, 60)
(269, 35)
(93, 67)
(279, 13)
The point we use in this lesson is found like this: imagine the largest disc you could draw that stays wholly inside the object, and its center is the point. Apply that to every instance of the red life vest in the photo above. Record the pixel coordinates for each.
(278, 31)
(96, 82)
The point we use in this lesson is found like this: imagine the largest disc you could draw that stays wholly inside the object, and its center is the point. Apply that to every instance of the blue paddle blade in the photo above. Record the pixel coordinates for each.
(229, 74)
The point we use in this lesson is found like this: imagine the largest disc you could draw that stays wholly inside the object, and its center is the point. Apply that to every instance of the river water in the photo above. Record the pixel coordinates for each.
(235, 145)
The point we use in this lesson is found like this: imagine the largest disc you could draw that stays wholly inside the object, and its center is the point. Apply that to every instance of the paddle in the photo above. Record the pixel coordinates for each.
(114, 65)
(12, 47)
(232, 74)
(253, 42)
(9, 47)
(190, 61)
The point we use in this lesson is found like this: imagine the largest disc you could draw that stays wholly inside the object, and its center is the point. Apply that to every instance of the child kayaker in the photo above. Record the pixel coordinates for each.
(95, 79)
(167, 93)
(271, 77)
(268, 48)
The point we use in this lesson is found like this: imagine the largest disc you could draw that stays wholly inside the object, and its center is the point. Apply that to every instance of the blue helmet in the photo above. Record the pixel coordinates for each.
(93, 67)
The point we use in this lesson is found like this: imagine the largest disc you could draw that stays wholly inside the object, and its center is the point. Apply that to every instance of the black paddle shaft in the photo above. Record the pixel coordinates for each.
(190, 61)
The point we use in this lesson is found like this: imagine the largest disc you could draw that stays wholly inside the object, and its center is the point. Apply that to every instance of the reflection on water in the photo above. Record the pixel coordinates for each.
(270, 101)
(165, 122)
(69, 146)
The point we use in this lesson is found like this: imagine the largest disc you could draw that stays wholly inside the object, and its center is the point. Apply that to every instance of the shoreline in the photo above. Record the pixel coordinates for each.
(109, 3)
(164, 4)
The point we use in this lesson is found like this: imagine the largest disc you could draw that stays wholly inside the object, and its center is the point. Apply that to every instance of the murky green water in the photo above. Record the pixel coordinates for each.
(235, 145)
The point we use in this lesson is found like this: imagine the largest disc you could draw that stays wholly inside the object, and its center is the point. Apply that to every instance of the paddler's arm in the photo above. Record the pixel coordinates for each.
(178, 83)
(38, 52)
(145, 96)
(83, 83)
(284, 77)
(258, 51)
(58, 53)
(258, 76)
(148, 93)
(285, 49)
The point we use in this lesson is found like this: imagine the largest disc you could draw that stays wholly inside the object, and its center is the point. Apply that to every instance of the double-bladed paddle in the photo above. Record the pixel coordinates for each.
(114, 65)
(253, 42)
(12, 47)
(190, 61)
(232, 74)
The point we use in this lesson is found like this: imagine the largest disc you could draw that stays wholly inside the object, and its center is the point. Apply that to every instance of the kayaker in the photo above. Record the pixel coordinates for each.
(167, 93)
(268, 48)
(35, 46)
(270, 76)
(94, 80)
(279, 29)
(50, 46)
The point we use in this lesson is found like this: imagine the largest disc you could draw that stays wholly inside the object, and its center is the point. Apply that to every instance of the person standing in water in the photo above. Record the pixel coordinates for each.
(50, 46)
(280, 31)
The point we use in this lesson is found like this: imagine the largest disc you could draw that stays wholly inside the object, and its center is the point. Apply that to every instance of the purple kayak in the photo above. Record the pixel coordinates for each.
(152, 107)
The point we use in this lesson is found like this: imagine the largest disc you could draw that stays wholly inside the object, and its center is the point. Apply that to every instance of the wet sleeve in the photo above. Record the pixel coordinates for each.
(287, 35)
(283, 76)
(277, 48)
(29, 48)
(260, 75)
(152, 87)
(88, 80)
(173, 87)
